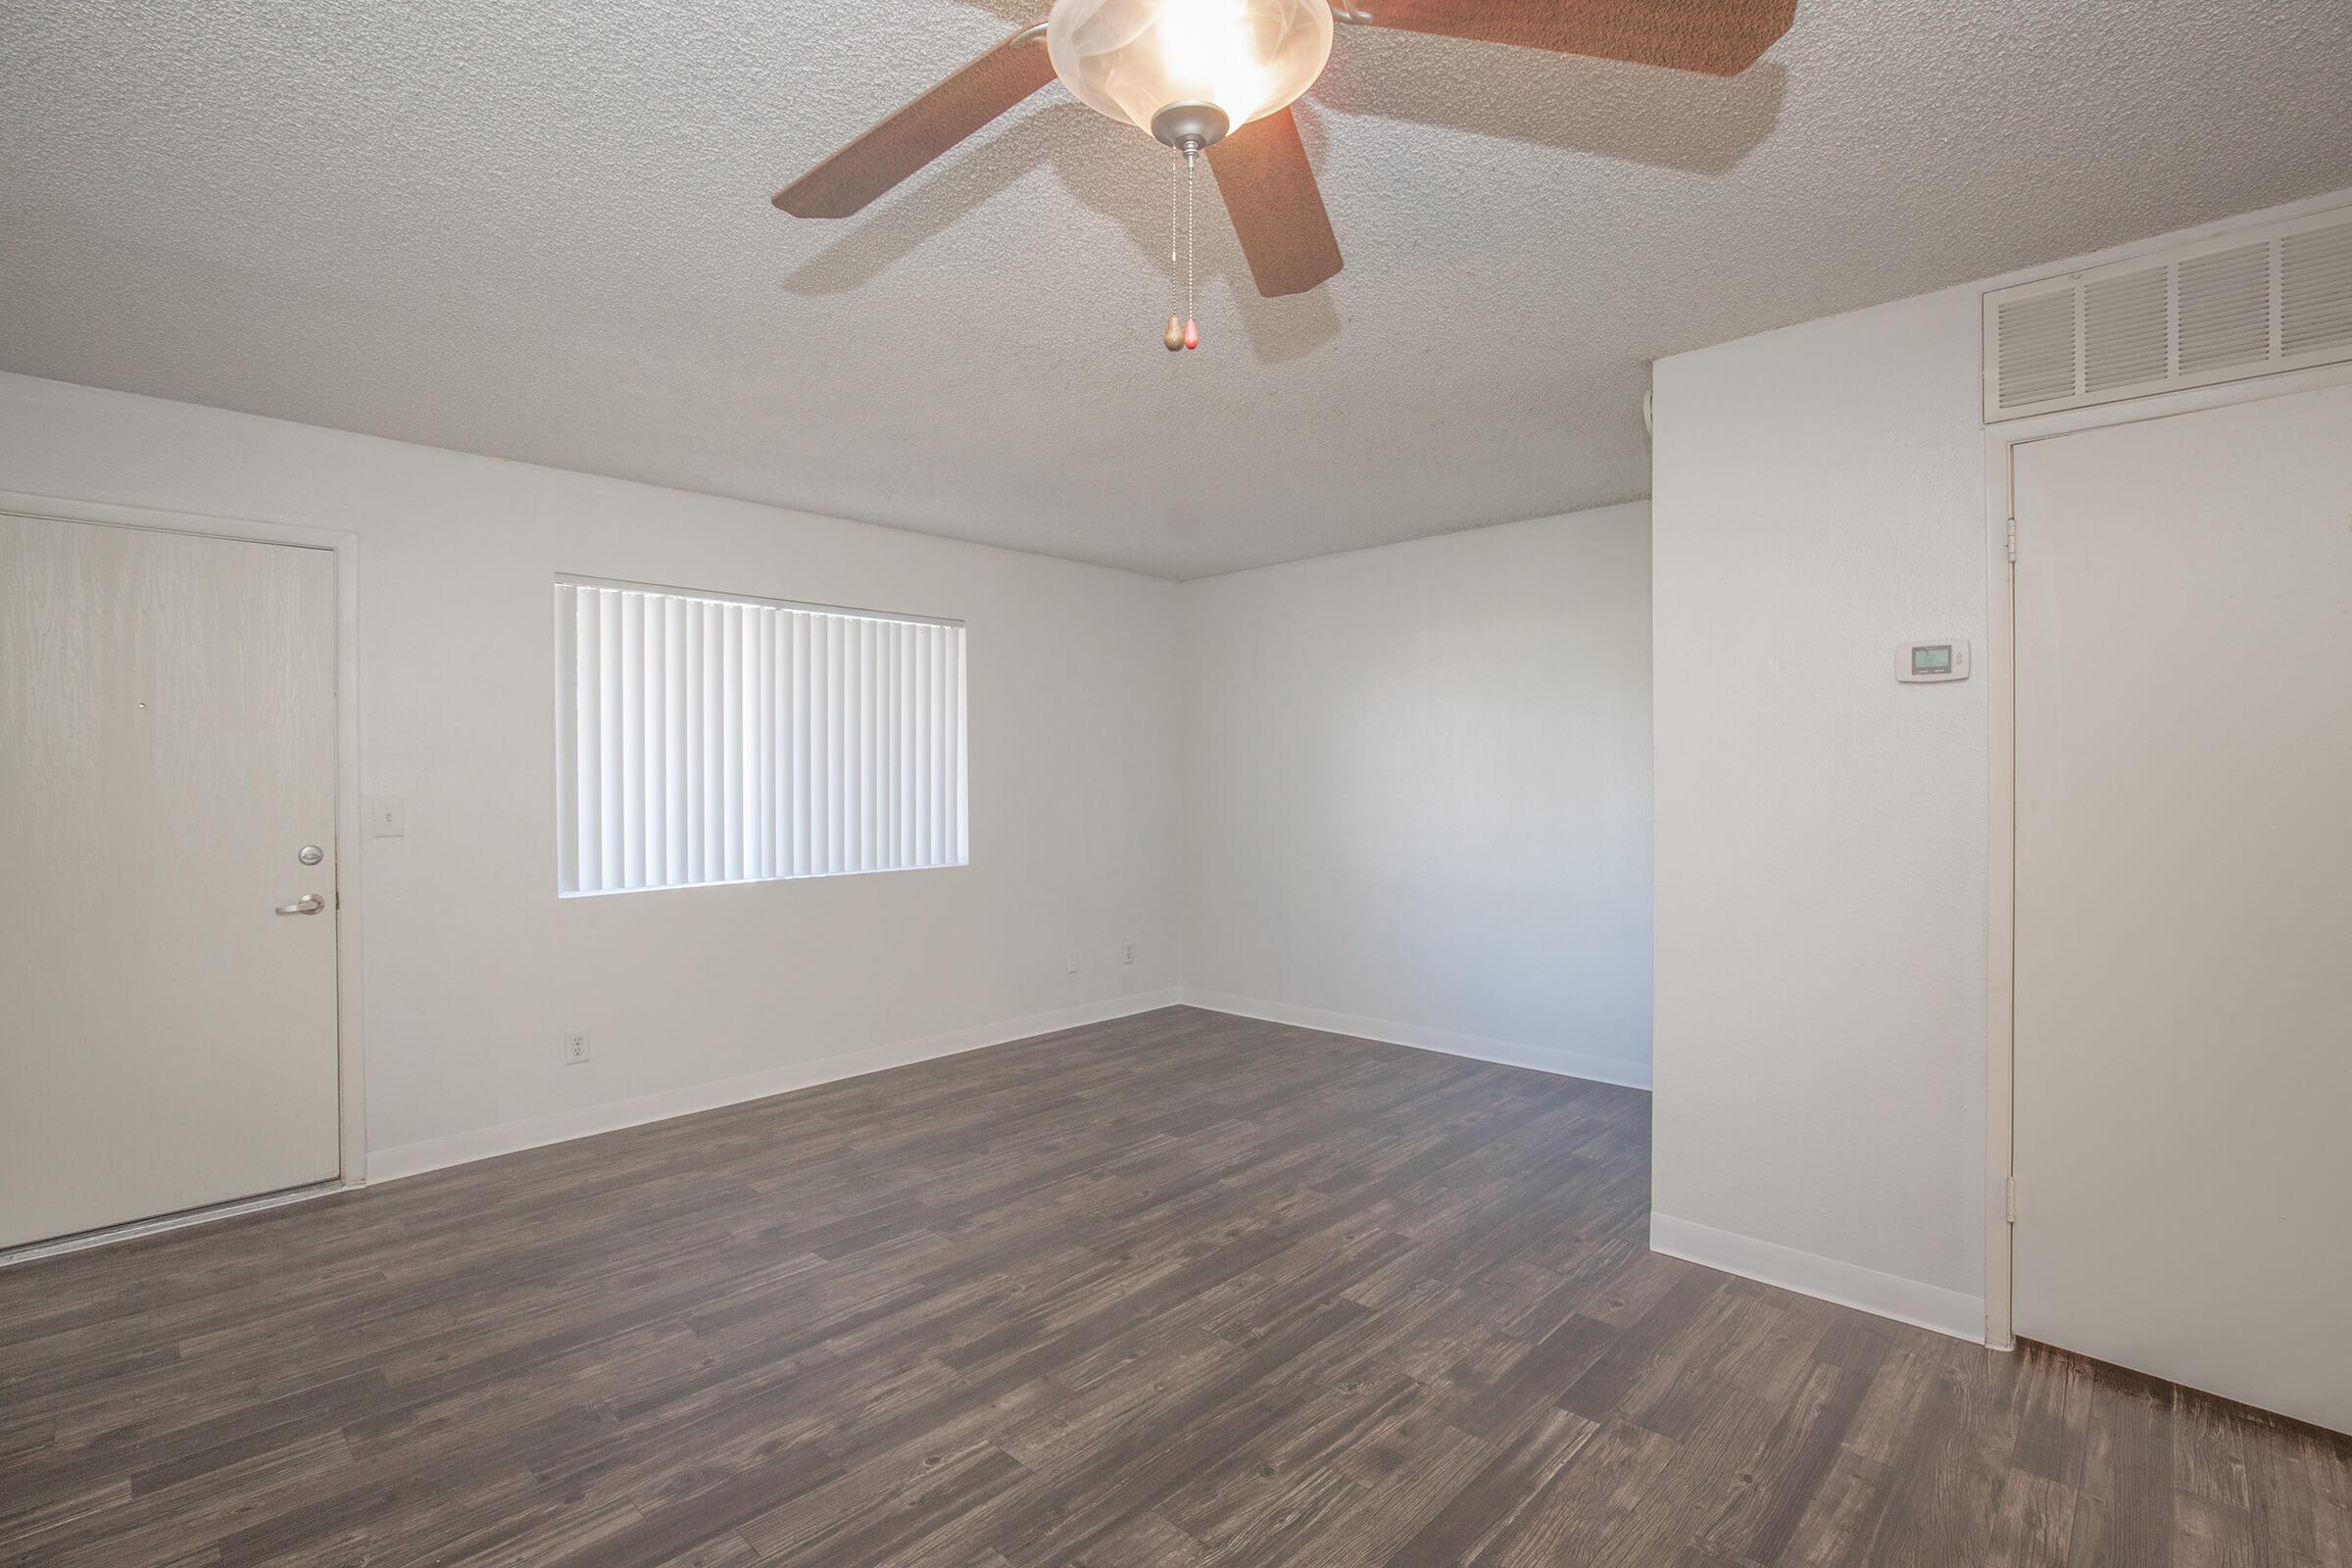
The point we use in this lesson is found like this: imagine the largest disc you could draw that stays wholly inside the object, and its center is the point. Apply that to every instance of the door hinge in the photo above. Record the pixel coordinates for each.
(2012, 1199)
(2012, 538)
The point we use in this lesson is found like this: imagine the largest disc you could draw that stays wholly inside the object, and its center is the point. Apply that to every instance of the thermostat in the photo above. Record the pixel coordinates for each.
(1927, 661)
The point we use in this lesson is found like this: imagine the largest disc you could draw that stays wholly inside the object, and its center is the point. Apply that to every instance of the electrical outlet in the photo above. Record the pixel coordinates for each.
(1130, 958)
(575, 1047)
(1071, 960)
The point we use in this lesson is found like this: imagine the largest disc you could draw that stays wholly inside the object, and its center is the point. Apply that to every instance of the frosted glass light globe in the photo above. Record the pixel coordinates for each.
(1131, 58)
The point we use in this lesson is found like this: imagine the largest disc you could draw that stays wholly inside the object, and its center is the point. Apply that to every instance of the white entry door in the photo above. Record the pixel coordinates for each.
(166, 749)
(2184, 1088)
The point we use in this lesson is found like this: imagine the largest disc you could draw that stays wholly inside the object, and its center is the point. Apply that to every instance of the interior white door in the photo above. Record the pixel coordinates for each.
(166, 749)
(2184, 899)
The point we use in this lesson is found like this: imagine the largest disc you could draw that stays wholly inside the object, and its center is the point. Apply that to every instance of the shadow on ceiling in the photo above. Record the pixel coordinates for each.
(1638, 114)
(1124, 182)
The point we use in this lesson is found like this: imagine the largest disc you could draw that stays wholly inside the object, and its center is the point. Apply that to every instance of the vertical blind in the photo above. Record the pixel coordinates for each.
(716, 739)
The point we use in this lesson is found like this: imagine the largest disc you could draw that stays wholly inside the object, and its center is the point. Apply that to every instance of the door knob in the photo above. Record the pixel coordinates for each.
(308, 904)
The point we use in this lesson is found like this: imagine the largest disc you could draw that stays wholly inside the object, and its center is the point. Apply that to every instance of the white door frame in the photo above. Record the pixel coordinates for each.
(2001, 442)
(350, 1079)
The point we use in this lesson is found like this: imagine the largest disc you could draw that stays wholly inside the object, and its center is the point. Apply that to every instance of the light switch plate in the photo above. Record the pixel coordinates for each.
(387, 817)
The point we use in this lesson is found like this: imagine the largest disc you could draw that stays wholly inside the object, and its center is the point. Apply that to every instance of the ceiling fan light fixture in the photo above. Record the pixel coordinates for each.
(1138, 60)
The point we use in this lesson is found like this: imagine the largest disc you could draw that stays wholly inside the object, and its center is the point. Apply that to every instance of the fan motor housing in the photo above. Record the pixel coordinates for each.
(1191, 125)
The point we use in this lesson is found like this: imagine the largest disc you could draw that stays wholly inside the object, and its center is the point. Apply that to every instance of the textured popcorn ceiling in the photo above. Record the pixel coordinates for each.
(541, 231)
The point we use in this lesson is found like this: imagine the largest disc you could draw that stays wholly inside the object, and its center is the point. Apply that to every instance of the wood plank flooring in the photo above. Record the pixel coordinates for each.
(1177, 1291)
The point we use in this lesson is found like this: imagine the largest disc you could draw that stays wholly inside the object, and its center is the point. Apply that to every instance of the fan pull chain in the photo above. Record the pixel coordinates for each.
(1183, 331)
(1191, 329)
(1174, 337)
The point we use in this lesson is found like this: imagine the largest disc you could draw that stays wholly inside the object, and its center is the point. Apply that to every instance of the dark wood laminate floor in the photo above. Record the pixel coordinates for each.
(1180, 1290)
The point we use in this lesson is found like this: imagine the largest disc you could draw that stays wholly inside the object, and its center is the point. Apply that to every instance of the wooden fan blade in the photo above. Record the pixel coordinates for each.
(924, 129)
(1721, 37)
(1276, 208)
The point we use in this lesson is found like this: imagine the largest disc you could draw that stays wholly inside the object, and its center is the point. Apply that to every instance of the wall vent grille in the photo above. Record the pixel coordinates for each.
(2315, 271)
(2221, 310)
(2125, 331)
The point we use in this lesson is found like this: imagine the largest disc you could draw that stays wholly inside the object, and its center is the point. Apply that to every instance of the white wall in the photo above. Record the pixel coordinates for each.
(1824, 833)
(1822, 830)
(1417, 792)
(473, 967)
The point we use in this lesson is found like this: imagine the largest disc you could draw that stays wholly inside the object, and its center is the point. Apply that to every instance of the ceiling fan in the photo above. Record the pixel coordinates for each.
(1219, 76)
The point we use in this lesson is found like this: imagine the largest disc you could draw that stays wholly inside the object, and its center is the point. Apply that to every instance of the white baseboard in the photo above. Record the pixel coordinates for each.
(585, 1121)
(1478, 1047)
(1927, 1306)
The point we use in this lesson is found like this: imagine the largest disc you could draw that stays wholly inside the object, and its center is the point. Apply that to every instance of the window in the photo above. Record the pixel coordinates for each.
(702, 739)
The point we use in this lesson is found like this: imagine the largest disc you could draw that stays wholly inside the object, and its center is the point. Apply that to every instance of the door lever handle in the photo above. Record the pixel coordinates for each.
(308, 904)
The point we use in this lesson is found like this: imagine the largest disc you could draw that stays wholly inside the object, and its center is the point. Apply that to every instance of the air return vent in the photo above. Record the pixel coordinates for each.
(2124, 331)
(2239, 305)
(2037, 349)
(2315, 286)
(2225, 309)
